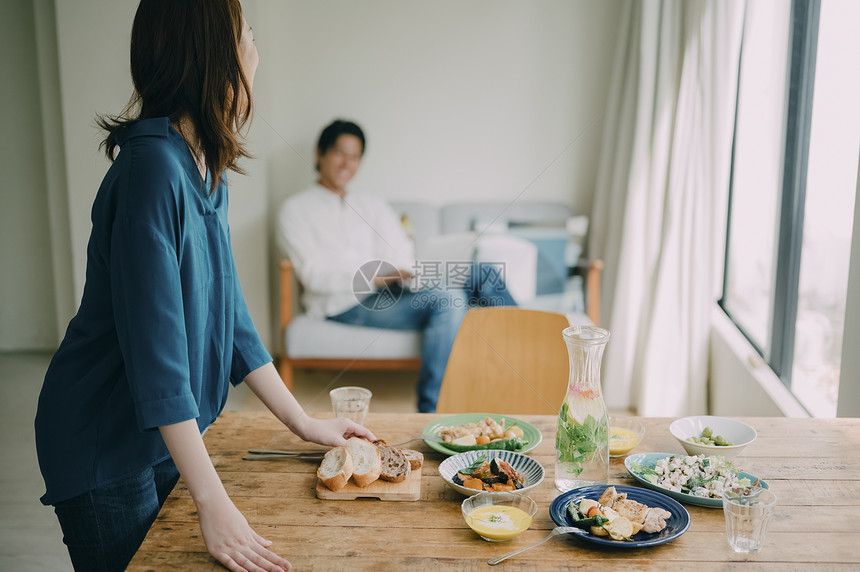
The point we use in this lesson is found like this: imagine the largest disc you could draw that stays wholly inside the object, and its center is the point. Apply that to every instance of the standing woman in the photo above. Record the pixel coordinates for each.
(163, 326)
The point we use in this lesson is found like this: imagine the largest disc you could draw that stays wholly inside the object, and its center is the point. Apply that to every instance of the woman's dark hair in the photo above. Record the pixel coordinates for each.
(335, 129)
(185, 64)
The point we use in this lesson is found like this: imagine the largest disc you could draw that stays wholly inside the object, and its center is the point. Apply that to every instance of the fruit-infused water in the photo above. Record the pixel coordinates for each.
(582, 437)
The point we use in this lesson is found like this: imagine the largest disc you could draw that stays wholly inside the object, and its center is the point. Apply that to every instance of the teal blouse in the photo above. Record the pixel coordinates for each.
(162, 324)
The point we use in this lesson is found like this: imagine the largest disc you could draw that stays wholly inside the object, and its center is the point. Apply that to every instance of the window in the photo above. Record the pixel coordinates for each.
(794, 176)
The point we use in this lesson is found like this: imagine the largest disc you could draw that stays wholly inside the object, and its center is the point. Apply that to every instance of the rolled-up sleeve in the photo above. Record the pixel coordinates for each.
(148, 304)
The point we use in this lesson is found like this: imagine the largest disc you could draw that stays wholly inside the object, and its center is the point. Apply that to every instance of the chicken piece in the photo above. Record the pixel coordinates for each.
(608, 497)
(655, 519)
(630, 509)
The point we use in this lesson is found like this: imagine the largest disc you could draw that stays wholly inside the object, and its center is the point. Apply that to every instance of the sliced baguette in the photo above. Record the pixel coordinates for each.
(416, 458)
(366, 461)
(336, 468)
(395, 466)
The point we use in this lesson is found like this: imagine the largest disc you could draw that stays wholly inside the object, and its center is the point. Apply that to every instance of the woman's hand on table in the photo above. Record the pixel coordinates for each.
(331, 432)
(232, 541)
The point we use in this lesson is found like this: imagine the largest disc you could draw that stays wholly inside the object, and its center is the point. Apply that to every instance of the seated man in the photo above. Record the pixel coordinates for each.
(352, 255)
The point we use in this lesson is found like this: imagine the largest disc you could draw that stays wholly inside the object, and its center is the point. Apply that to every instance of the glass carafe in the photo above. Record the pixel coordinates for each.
(582, 439)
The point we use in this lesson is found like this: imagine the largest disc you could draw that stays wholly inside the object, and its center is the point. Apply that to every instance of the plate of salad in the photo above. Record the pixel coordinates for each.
(693, 479)
(468, 431)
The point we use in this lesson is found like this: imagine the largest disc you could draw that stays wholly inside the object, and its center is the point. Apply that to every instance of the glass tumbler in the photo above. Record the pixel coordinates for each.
(351, 402)
(747, 517)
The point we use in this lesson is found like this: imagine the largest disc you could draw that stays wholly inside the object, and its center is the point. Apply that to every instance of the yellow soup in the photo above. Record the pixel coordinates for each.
(496, 522)
(621, 440)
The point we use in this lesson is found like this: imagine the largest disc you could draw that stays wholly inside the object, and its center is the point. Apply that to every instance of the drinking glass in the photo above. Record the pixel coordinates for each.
(747, 516)
(350, 402)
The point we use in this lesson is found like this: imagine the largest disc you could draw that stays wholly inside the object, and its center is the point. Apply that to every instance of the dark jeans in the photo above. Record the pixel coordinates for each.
(438, 313)
(104, 527)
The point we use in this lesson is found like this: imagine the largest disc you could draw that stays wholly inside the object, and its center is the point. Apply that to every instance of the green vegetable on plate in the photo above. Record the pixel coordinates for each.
(515, 444)
(584, 523)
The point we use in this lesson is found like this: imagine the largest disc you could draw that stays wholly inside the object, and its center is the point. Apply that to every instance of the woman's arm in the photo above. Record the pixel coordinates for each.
(227, 534)
(268, 386)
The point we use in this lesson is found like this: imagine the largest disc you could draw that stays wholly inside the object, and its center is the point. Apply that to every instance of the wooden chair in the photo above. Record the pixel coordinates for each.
(507, 360)
(286, 364)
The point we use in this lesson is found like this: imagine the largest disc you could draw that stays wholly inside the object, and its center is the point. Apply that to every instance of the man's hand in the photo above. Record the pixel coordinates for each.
(397, 277)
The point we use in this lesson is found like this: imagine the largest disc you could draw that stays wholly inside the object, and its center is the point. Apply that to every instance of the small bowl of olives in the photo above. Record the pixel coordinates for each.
(712, 435)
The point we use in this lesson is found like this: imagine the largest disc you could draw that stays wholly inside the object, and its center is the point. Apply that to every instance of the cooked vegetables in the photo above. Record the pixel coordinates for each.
(495, 476)
(475, 433)
(707, 438)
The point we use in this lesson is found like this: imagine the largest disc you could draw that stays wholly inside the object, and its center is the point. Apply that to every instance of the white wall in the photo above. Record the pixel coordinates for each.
(27, 307)
(741, 384)
(477, 100)
(849, 376)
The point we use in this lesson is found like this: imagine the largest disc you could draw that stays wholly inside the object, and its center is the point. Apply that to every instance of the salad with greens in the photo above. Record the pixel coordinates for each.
(708, 476)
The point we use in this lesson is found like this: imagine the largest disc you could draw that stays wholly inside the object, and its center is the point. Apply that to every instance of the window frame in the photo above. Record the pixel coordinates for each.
(800, 86)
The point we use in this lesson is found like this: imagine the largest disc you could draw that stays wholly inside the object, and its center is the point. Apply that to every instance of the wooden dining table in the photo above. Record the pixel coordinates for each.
(812, 465)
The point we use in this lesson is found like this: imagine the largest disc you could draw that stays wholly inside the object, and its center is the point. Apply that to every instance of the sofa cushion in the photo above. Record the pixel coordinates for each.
(317, 338)
(463, 217)
(515, 258)
(553, 247)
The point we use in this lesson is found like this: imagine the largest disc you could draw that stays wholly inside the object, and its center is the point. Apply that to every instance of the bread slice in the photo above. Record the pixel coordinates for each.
(366, 461)
(336, 468)
(415, 458)
(395, 465)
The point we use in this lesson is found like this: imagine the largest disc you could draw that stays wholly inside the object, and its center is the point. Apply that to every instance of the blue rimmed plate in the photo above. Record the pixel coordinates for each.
(676, 525)
(650, 460)
(533, 472)
(531, 434)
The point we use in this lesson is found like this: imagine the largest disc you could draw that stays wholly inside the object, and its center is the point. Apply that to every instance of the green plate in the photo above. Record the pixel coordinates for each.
(530, 432)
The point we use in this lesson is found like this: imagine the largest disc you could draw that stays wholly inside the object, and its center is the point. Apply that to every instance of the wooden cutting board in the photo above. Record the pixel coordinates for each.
(408, 490)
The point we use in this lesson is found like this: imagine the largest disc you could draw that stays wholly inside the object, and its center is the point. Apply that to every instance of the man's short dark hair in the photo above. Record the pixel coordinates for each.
(335, 129)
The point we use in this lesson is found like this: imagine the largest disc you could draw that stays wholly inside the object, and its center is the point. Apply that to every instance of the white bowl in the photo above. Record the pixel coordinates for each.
(533, 472)
(738, 433)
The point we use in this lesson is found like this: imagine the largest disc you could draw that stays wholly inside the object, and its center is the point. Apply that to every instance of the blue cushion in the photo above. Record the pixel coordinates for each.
(552, 243)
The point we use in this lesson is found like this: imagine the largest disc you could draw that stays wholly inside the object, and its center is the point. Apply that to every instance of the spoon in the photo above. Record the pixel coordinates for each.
(555, 532)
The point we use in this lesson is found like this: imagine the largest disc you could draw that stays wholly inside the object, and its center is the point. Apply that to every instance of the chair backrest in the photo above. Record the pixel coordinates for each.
(506, 360)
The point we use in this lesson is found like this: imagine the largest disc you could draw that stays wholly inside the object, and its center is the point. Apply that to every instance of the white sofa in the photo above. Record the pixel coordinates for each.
(539, 243)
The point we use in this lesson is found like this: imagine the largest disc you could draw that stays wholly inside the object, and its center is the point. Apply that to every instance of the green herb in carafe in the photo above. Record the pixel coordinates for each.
(582, 437)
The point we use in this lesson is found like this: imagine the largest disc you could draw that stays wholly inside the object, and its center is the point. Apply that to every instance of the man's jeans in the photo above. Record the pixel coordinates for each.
(438, 313)
(104, 527)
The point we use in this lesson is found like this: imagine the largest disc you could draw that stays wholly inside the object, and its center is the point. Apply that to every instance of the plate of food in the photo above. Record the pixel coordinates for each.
(696, 479)
(480, 431)
(492, 470)
(620, 516)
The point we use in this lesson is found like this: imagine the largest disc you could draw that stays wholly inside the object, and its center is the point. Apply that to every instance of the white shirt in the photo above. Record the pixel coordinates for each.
(328, 239)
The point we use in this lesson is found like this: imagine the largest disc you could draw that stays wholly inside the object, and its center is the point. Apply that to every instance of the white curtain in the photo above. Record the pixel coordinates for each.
(660, 200)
